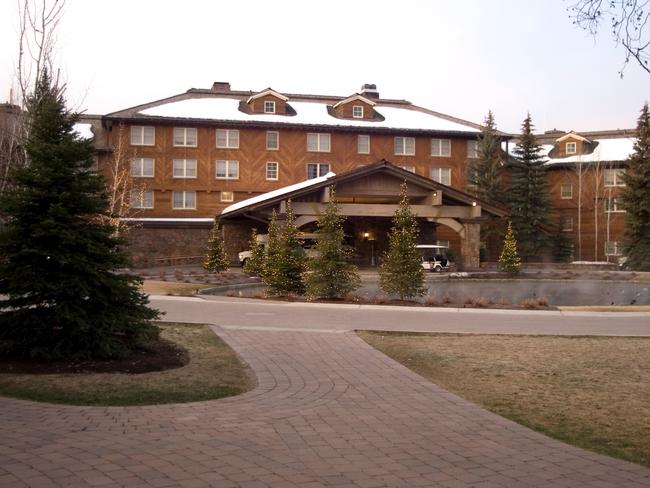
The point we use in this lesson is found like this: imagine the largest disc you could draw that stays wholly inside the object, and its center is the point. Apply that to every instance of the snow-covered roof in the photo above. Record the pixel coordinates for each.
(353, 98)
(166, 219)
(308, 112)
(276, 193)
(607, 149)
(268, 91)
(84, 130)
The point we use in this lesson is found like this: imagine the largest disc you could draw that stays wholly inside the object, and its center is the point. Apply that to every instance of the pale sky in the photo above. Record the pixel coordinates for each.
(461, 57)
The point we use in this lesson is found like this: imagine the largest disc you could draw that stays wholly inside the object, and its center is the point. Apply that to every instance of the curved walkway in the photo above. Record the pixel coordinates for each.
(328, 411)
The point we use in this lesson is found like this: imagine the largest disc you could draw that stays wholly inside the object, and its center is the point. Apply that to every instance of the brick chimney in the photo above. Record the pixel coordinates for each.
(369, 91)
(221, 86)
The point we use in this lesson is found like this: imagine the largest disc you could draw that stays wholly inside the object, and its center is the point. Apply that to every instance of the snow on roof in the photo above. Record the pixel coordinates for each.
(268, 91)
(166, 219)
(83, 130)
(276, 193)
(308, 113)
(616, 149)
(353, 98)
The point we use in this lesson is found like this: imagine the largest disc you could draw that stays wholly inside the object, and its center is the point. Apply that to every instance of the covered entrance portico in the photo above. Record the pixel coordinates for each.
(368, 197)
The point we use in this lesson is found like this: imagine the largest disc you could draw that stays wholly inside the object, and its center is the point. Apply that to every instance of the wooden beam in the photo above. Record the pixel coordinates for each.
(388, 210)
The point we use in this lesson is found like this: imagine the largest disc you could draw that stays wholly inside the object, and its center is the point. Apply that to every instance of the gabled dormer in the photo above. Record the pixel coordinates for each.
(267, 102)
(355, 107)
(571, 144)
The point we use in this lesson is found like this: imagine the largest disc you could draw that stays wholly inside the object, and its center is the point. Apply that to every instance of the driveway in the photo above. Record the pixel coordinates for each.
(328, 411)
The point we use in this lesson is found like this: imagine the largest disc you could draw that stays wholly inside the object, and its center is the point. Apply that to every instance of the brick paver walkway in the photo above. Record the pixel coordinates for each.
(328, 411)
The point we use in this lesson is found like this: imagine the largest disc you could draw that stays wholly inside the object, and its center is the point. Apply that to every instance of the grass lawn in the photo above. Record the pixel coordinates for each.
(214, 371)
(593, 392)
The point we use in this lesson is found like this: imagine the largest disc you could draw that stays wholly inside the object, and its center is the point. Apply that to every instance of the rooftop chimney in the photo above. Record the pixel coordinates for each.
(221, 86)
(369, 91)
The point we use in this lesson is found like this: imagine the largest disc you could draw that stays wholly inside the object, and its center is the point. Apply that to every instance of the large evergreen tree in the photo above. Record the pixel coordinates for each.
(402, 272)
(485, 172)
(284, 258)
(255, 263)
(636, 198)
(216, 258)
(529, 200)
(332, 273)
(64, 293)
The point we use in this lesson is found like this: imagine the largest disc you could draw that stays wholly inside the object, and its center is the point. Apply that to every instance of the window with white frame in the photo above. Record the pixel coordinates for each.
(441, 147)
(227, 139)
(614, 177)
(566, 191)
(613, 205)
(316, 170)
(272, 140)
(472, 149)
(141, 199)
(184, 137)
(269, 107)
(363, 144)
(227, 169)
(570, 148)
(566, 224)
(227, 196)
(405, 146)
(441, 175)
(272, 170)
(357, 111)
(318, 142)
(613, 248)
(184, 200)
(142, 167)
(143, 136)
(184, 168)
(410, 169)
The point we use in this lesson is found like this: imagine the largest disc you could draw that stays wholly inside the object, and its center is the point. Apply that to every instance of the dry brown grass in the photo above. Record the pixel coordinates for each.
(589, 391)
(214, 371)
(154, 287)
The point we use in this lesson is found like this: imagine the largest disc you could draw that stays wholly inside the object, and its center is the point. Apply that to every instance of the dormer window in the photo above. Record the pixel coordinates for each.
(570, 148)
(269, 107)
(357, 112)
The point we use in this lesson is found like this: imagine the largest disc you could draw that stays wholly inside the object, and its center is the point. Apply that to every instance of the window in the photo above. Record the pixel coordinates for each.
(566, 224)
(227, 196)
(142, 167)
(570, 148)
(227, 170)
(410, 169)
(272, 140)
(363, 144)
(613, 205)
(613, 248)
(269, 107)
(613, 177)
(441, 175)
(227, 139)
(442, 243)
(184, 200)
(357, 112)
(318, 142)
(184, 137)
(405, 146)
(184, 168)
(272, 170)
(441, 147)
(472, 149)
(566, 191)
(315, 170)
(142, 136)
(141, 199)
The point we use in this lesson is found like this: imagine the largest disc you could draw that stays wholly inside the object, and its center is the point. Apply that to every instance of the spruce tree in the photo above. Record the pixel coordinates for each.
(529, 201)
(331, 272)
(284, 259)
(636, 198)
(65, 294)
(509, 260)
(401, 271)
(254, 265)
(216, 259)
(485, 172)
(562, 246)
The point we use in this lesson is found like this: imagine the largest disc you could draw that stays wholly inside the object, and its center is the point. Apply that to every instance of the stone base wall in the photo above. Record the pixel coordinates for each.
(237, 236)
(167, 246)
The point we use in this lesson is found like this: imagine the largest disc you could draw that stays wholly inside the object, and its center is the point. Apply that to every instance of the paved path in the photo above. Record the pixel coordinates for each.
(328, 411)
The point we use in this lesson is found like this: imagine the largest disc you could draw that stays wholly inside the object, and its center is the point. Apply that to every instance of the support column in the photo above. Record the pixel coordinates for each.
(470, 245)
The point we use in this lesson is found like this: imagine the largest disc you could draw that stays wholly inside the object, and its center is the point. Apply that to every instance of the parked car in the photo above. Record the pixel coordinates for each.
(434, 257)
(307, 242)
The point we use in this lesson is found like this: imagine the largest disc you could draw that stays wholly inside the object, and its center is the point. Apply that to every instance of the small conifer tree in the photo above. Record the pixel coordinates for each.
(331, 272)
(284, 259)
(636, 198)
(562, 246)
(509, 260)
(401, 271)
(254, 265)
(216, 259)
